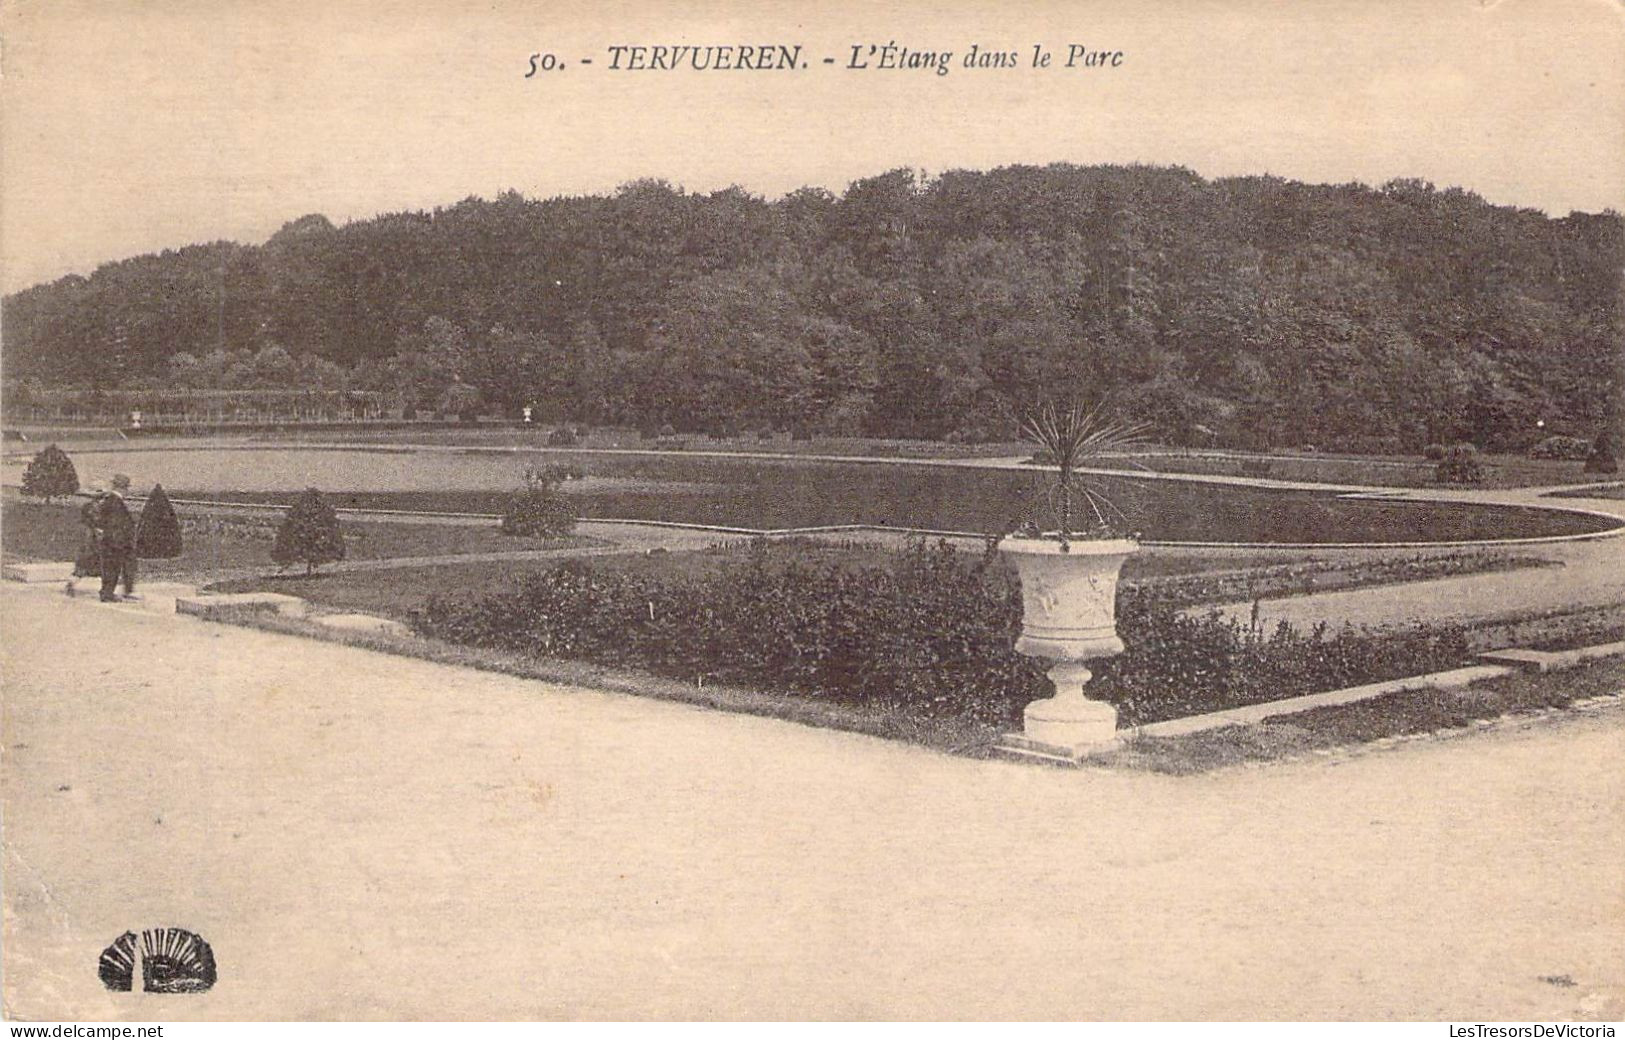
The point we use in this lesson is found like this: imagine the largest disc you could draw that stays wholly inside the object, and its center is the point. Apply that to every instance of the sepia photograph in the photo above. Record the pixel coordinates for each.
(1089, 511)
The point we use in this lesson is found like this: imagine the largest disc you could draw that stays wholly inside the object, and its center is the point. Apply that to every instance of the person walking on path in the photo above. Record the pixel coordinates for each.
(116, 530)
(88, 562)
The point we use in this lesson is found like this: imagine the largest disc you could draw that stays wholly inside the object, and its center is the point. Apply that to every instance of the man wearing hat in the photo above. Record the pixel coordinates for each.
(116, 529)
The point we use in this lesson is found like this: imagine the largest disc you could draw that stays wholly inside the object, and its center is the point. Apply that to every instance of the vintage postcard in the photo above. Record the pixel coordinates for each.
(1095, 511)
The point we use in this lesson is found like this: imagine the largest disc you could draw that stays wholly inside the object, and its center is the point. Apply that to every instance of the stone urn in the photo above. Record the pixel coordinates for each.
(1069, 616)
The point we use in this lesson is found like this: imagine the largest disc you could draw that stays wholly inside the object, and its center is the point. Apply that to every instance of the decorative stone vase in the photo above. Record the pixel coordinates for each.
(1069, 616)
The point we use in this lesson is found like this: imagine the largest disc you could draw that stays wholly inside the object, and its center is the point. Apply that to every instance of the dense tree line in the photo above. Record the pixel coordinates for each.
(1246, 310)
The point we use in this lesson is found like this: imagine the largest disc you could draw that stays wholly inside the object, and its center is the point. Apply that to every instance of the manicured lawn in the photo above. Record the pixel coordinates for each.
(790, 493)
(1281, 464)
(777, 496)
(1558, 630)
(40, 531)
(398, 591)
(1284, 464)
(1394, 715)
(392, 593)
(1370, 470)
(51, 531)
(787, 494)
(1615, 490)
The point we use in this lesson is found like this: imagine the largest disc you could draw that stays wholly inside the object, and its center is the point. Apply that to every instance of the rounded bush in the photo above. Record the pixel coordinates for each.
(538, 511)
(1433, 452)
(50, 475)
(1460, 465)
(562, 437)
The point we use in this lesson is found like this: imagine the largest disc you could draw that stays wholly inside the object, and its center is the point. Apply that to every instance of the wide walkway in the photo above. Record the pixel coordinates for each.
(364, 836)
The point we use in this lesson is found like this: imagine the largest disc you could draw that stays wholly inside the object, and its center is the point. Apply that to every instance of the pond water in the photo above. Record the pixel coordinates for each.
(798, 493)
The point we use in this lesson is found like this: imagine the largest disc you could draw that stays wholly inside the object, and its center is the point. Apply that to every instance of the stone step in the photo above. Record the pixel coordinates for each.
(38, 573)
(1525, 660)
(221, 605)
(161, 596)
(1018, 745)
(363, 623)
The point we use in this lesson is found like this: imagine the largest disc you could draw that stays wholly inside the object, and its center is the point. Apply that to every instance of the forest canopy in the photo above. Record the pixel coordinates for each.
(1250, 311)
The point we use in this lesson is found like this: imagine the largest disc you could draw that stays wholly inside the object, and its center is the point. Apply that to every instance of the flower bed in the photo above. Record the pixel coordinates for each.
(932, 633)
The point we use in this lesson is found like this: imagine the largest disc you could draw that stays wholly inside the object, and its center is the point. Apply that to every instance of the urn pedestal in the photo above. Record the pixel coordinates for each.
(1069, 616)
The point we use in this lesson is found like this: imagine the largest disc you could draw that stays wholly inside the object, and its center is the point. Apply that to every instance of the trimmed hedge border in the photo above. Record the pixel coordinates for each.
(933, 634)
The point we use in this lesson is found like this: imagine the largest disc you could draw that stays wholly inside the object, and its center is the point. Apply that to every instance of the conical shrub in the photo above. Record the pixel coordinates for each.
(158, 535)
(1602, 459)
(309, 532)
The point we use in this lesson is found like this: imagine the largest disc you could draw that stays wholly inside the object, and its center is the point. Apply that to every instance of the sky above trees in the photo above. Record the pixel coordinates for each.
(132, 127)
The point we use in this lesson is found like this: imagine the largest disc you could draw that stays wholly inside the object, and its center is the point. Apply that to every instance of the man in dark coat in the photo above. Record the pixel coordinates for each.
(116, 532)
(88, 564)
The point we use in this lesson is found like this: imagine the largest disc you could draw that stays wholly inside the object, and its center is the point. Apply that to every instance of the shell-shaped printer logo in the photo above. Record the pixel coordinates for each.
(172, 960)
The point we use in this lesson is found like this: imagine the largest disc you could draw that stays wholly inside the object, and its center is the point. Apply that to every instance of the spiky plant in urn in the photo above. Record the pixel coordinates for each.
(1069, 580)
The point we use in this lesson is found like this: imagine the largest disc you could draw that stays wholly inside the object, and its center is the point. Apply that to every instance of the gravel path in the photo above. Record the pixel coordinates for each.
(363, 836)
(1591, 574)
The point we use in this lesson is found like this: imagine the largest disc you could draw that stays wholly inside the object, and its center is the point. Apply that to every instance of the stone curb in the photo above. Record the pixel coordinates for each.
(213, 606)
(179, 599)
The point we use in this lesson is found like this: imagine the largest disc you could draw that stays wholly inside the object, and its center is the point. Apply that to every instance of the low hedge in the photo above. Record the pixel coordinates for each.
(538, 511)
(932, 633)
(1574, 449)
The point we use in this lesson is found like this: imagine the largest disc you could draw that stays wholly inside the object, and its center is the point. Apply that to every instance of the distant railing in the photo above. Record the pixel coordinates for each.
(137, 408)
